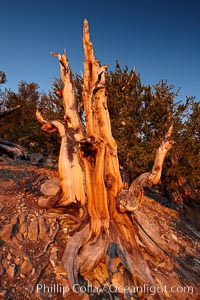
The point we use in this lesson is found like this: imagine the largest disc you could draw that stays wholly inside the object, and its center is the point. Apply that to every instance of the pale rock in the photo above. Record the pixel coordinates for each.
(33, 272)
(1, 270)
(3, 293)
(53, 259)
(43, 227)
(1, 206)
(17, 260)
(26, 255)
(11, 271)
(59, 270)
(26, 267)
(174, 237)
(23, 224)
(50, 187)
(15, 219)
(9, 256)
(6, 232)
(19, 236)
(54, 249)
(43, 201)
(33, 230)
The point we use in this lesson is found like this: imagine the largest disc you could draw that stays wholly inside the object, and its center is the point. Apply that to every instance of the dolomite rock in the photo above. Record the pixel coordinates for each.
(43, 227)
(6, 232)
(50, 187)
(11, 271)
(26, 267)
(33, 230)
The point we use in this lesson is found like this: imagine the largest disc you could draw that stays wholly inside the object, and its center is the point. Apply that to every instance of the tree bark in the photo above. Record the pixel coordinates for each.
(106, 236)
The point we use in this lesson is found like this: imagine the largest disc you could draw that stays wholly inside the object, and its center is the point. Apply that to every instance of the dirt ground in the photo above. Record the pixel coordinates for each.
(32, 241)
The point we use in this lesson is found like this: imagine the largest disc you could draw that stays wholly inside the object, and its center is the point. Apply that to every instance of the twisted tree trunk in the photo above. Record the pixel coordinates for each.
(107, 243)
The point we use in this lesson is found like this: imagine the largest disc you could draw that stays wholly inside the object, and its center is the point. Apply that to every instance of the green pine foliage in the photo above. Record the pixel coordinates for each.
(21, 126)
(2, 77)
(140, 116)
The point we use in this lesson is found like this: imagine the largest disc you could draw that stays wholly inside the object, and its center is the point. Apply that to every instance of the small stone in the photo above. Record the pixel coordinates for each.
(50, 187)
(1, 206)
(19, 236)
(43, 227)
(11, 271)
(33, 272)
(17, 260)
(59, 270)
(6, 232)
(15, 244)
(162, 264)
(54, 249)
(33, 230)
(53, 259)
(174, 237)
(49, 162)
(15, 219)
(3, 293)
(26, 267)
(26, 255)
(51, 231)
(1, 270)
(42, 201)
(65, 230)
(23, 226)
(9, 256)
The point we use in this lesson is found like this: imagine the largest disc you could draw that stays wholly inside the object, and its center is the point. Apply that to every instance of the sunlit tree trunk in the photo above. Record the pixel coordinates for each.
(103, 247)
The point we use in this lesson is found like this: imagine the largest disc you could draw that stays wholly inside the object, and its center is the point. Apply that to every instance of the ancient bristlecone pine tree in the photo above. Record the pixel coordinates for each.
(103, 248)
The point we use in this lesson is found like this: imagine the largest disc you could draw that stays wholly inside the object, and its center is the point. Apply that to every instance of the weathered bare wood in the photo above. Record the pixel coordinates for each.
(70, 172)
(162, 151)
(68, 94)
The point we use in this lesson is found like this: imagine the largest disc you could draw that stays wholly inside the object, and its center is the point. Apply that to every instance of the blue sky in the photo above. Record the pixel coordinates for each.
(161, 39)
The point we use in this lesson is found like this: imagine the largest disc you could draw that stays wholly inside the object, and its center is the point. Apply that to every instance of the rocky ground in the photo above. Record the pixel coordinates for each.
(32, 241)
(29, 251)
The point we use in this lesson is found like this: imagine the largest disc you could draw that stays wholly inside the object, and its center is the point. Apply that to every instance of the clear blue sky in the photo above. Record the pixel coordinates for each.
(161, 39)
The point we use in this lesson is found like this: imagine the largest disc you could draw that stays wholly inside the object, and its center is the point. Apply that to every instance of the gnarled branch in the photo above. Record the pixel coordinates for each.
(130, 200)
